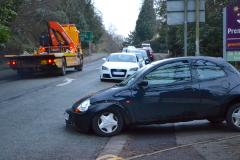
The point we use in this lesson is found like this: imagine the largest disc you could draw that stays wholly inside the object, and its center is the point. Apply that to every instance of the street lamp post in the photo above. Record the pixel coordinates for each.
(197, 5)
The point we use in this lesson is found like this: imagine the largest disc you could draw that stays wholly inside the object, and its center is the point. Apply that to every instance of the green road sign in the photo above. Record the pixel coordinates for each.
(233, 56)
(86, 36)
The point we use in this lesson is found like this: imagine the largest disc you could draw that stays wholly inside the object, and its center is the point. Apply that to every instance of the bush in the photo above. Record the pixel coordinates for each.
(4, 34)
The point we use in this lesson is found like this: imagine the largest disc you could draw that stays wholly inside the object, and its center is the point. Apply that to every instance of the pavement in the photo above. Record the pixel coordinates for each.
(33, 127)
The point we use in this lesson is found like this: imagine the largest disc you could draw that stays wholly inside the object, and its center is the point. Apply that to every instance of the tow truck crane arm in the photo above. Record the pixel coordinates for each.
(56, 32)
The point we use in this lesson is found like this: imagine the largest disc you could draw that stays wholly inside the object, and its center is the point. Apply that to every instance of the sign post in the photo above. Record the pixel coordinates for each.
(183, 12)
(224, 34)
(185, 27)
(197, 53)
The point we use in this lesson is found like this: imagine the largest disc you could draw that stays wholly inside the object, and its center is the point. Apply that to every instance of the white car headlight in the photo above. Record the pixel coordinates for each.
(104, 68)
(134, 69)
(83, 107)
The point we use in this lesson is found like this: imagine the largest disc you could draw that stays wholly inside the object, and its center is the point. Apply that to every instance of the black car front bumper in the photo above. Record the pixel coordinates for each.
(79, 121)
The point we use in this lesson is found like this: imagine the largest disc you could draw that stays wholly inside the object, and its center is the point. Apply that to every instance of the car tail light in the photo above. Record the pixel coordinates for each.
(13, 62)
(50, 61)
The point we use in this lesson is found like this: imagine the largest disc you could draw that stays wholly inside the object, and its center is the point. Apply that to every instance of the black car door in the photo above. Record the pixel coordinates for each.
(214, 86)
(169, 95)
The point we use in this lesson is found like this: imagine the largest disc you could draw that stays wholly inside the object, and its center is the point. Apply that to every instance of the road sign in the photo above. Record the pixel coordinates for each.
(231, 32)
(175, 18)
(175, 11)
(86, 36)
(233, 28)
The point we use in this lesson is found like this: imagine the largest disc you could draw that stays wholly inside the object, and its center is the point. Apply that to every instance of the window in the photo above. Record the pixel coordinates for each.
(177, 72)
(207, 70)
(122, 58)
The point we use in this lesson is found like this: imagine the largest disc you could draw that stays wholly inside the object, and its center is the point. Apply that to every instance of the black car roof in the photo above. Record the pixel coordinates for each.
(217, 60)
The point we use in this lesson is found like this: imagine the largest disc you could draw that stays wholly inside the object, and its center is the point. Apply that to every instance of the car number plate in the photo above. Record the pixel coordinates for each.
(66, 116)
(118, 73)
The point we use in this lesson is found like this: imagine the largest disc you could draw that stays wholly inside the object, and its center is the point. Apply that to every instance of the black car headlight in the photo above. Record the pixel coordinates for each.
(83, 107)
(104, 68)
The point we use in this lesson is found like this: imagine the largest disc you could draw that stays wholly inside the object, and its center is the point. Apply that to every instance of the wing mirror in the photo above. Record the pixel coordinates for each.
(143, 84)
(105, 59)
(147, 61)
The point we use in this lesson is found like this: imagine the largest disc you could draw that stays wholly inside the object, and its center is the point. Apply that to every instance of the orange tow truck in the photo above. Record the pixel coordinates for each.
(60, 48)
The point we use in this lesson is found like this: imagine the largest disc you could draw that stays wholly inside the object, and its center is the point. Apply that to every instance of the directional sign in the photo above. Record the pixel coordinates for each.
(86, 36)
(175, 11)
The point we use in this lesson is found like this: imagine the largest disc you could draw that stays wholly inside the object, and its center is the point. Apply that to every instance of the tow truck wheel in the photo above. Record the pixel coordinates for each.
(22, 74)
(62, 71)
(80, 66)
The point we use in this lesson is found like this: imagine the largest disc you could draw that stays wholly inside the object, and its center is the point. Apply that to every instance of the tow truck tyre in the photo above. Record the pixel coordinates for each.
(80, 66)
(233, 117)
(22, 73)
(62, 70)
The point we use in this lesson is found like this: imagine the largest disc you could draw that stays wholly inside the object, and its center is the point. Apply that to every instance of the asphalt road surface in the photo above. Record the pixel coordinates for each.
(33, 128)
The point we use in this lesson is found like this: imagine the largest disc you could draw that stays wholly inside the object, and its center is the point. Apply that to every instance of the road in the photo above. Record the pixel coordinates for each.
(32, 125)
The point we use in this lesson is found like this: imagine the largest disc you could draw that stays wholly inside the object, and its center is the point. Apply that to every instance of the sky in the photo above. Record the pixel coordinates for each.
(119, 15)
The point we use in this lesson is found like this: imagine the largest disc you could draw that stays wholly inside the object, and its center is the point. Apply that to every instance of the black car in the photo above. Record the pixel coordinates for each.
(171, 90)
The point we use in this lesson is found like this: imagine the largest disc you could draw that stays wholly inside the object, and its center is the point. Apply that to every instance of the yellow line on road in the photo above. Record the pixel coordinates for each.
(109, 157)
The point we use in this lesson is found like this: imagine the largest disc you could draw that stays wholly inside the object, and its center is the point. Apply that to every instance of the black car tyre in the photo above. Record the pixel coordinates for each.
(233, 117)
(107, 123)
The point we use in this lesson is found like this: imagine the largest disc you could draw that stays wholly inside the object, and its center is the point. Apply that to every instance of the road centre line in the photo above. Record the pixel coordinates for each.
(182, 146)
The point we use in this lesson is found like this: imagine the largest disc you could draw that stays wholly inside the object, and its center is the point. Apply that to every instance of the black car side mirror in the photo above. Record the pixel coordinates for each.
(143, 84)
(147, 61)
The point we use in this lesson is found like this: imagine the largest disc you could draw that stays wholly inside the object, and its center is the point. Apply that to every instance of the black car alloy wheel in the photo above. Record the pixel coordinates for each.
(107, 123)
(233, 117)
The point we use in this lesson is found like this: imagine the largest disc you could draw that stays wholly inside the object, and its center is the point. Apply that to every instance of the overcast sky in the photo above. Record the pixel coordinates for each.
(120, 14)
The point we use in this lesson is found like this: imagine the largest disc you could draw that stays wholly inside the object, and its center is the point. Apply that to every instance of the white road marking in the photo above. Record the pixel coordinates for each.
(66, 82)
(114, 146)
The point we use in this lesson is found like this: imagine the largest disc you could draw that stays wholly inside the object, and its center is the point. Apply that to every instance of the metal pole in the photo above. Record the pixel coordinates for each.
(185, 26)
(89, 47)
(224, 34)
(197, 53)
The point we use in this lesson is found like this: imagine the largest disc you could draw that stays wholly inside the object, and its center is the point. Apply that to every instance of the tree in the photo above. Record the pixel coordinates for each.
(146, 23)
(160, 43)
(8, 13)
(32, 17)
(4, 34)
(210, 31)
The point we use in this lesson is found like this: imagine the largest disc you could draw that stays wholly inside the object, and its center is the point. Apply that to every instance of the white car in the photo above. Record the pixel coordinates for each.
(119, 66)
